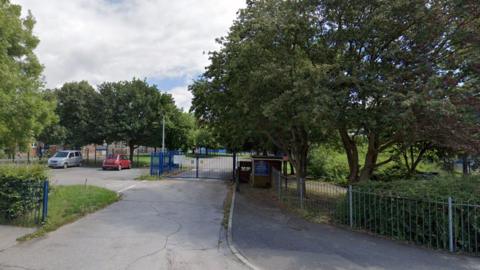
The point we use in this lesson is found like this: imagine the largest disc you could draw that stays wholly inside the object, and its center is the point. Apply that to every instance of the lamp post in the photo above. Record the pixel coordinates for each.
(163, 134)
(105, 146)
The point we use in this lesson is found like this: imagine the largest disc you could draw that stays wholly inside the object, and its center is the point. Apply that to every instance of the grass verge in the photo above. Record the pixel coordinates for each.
(69, 203)
(148, 177)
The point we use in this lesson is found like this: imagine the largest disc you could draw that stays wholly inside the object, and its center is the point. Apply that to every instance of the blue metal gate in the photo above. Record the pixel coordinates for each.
(207, 164)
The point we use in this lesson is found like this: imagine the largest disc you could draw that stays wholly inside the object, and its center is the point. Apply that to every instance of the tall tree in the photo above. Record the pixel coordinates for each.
(392, 58)
(178, 125)
(264, 83)
(133, 112)
(24, 111)
(79, 108)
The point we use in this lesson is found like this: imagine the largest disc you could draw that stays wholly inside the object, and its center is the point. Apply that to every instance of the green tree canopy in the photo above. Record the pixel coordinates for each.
(80, 109)
(133, 112)
(264, 82)
(24, 111)
(372, 71)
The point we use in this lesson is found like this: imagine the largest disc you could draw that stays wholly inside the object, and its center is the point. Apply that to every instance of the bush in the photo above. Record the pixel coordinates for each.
(328, 164)
(462, 189)
(417, 211)
(20, 190)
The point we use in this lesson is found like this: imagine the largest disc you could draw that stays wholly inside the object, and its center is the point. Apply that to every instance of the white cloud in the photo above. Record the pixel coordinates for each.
(110, 40)
(183, 97)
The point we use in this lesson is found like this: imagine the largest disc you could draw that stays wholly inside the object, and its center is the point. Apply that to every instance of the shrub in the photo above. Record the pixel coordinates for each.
(462, 189)
(20, 190)
(328, 164)
(417, 210)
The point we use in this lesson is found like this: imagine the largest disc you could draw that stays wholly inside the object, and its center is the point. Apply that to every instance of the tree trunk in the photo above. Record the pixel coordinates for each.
(413, 163)
(131, 147)
(352, 155)
(465, 165)
(299, 160)
(370, 159)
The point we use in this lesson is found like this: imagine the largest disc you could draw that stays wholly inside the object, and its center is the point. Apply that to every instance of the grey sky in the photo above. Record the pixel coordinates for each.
(109, 40)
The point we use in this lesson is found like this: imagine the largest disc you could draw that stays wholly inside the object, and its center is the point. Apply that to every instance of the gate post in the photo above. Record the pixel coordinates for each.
(151, 164)
(450, 225)
(196, 165)
(160, 164)
(350, 205)
(169, 161)
(302, 193)
(234, 172)
(45, 201)
(278, 182)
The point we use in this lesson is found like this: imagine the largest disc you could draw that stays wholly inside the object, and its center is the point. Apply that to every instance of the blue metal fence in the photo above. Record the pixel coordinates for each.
(211, 164)
(163, 162)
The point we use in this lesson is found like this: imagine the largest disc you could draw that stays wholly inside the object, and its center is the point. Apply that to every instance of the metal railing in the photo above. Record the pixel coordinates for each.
(189, 165)
(447, 225)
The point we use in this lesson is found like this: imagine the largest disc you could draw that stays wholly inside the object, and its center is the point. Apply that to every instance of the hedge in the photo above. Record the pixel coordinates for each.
(21, 190)
(417, 211)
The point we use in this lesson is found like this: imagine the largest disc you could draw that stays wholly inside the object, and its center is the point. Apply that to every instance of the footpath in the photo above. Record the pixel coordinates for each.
(272, 238)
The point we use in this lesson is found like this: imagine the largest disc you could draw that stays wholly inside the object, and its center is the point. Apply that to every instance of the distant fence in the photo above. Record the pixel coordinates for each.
(23, 202)
(22, 160)
(447, 225)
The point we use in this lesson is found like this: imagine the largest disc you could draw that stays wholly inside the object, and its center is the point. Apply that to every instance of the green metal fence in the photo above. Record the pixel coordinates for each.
(446, 225)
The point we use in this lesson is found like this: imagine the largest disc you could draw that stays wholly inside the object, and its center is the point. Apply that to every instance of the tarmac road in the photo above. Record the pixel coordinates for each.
(172, 224)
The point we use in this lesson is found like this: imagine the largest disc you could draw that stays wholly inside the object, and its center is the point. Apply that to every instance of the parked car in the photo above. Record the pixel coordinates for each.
(65, 159)
(117, 161)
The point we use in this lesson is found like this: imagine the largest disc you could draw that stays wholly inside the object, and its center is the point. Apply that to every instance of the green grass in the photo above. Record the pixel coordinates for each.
(69, 203)
(148, 177)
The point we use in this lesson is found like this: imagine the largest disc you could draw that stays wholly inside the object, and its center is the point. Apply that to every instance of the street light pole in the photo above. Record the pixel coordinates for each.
(163, 135)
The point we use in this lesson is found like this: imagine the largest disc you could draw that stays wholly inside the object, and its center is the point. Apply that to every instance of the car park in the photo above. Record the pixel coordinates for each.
(117, 161)
(65, 159)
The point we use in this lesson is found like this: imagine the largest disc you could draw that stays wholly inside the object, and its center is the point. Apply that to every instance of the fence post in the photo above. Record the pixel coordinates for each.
(302, 193)
(151, 164)
(278, 177)
(234, 165)
(138, 161)
(450, 225)
(350, 205)
(45, 201)
(196, 165)
(95, 156)
(160, 163)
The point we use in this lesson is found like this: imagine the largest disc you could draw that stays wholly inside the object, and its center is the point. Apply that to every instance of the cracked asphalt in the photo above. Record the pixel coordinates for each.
(174, 224)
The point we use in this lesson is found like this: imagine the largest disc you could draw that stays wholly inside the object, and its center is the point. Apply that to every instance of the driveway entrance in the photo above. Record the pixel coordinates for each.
(171, 224)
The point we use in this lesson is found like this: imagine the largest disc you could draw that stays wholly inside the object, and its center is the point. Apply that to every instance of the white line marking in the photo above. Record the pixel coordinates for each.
(127, 188)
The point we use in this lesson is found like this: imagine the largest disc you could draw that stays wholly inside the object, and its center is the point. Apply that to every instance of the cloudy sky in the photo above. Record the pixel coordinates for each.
(164, 41)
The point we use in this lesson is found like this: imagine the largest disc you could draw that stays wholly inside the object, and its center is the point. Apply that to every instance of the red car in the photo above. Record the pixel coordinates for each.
(117, 161)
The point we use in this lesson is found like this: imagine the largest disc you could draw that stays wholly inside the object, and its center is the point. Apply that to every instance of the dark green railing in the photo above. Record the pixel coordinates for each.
(446, 225)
